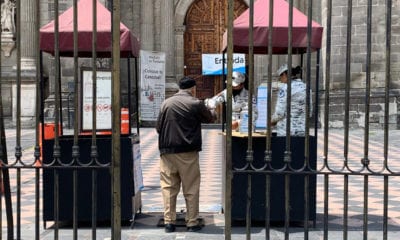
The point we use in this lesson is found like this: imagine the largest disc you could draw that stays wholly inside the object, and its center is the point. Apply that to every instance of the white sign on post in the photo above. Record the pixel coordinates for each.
(212, 63)
(262, 102)
(103, 100)
(152, 84)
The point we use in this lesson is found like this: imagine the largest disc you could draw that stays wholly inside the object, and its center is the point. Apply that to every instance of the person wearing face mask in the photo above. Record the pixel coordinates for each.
(298, 103)
(239, 98)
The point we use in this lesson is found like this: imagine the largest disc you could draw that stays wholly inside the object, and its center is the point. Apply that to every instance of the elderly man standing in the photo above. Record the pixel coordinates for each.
(179, 142)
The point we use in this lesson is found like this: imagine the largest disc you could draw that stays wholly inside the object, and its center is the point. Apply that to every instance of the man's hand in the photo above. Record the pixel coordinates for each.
(210, 103)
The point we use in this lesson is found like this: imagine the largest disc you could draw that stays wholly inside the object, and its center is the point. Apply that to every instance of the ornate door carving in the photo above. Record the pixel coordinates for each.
(206, 21)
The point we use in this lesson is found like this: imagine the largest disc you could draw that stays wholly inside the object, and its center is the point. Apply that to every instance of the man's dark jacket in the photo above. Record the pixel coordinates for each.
(179, 123)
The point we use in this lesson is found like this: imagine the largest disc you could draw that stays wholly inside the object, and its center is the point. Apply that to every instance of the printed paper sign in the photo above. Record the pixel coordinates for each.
(152, 84)
(103, 100)
(262, 101)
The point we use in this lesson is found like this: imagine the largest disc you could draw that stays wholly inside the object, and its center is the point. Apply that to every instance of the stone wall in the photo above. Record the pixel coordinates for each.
(356, 78)
(357, 110)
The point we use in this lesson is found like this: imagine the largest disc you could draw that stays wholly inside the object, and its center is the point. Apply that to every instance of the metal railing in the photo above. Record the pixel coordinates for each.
(265, 164)
(55, 163)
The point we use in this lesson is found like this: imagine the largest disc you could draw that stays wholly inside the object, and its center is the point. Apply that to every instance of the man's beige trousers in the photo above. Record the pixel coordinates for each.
(175, 169)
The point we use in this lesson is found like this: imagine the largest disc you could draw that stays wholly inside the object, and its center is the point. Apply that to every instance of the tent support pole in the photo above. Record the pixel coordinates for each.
(137, 96)
(129, 93)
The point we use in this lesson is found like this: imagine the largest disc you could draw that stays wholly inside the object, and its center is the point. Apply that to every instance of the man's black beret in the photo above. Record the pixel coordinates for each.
(186, 82)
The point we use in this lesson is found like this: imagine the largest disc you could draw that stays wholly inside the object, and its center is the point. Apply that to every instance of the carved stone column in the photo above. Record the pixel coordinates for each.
(28, 35)
(167, 38)
(147, 26)
(179, 43)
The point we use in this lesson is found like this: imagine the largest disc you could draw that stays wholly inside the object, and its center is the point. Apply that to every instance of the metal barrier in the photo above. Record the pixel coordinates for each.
(265, 163)
(60, 161)
(259, 163)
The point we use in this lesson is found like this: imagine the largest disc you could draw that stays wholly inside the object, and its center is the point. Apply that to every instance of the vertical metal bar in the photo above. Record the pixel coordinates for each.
(5, 174)
(326, 206)
(37, 125)
(365, 209)
(268, 152)
(346, 117)
(385, 207)
(18, 203)
(269, 96)
(306, 205)
(308, 81)
(386, 116)
(94, 77)
(6, 177)
(1, 158)
(345, 205)
(37, 202)
(287, 206)
(249, 153)
(129, 94)
(56, 148)
(248, 207)
(388, 77)
(267, 206)
(41, 116)
(75, 147)
(327, 80)
(347, 81)
(40, 103)
(94, 203)
(287, 154)
(18, 150)
(56, 203)
(93, 152)
(75, 204)
(137, 97)
(116, 121)
(307, 121)
(1, 144)
(228, 138)
(289, 85)
(365, 160)
(316, 95)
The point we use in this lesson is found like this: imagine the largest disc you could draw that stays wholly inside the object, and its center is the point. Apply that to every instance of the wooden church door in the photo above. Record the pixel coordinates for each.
(206, 21)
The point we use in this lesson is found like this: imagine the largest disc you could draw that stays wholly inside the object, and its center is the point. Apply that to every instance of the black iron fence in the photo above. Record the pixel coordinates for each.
(278, 174)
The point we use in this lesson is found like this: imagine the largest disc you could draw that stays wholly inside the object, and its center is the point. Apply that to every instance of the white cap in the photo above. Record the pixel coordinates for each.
(282, 69)
(237, 78)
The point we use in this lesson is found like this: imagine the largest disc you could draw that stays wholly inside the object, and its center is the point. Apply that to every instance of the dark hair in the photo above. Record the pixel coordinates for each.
(296, 71)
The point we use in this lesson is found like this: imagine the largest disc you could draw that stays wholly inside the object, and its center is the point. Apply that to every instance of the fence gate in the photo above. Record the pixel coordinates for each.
(73, 173)
(328, 182)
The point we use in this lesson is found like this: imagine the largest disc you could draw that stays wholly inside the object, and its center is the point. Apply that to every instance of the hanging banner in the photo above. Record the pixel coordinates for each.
(152, 84)
(212, 63)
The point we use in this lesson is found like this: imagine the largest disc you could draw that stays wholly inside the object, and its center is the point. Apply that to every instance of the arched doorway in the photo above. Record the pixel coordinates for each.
(206, 21)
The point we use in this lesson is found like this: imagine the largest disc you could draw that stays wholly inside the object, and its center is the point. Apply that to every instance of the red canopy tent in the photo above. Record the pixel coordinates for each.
(129, 44)
(280, 30)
